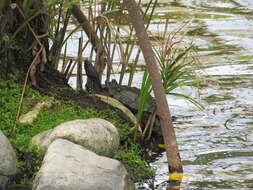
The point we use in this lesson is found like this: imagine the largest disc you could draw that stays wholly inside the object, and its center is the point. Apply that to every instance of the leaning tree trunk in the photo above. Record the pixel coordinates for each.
(175, 164)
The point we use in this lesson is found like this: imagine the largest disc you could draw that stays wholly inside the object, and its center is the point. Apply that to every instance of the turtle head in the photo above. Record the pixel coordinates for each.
(112, 86)
(87, 64)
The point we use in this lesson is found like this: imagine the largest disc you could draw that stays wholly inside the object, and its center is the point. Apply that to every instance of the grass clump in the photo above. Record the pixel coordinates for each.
(137, 168)
(130, 153)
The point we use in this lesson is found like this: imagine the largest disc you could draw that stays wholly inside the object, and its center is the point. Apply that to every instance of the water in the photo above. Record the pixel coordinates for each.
(216, 145)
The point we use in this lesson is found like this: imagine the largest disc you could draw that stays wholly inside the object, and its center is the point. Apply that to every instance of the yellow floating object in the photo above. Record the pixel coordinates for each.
(161, 145)
(176, 176)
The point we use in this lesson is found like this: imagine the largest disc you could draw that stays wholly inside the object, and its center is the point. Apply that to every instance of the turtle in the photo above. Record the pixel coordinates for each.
(130, 97)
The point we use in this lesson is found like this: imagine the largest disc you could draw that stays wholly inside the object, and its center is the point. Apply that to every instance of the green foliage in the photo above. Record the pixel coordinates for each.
(129, 153)
(130, 156)
(176, 71)
(146, 88)
(8, 104)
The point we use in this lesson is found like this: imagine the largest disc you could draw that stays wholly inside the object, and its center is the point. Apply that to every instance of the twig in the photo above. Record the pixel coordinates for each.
(151, 125)
(146, 127)
(68, 68)
(79, 81)
(13, 130)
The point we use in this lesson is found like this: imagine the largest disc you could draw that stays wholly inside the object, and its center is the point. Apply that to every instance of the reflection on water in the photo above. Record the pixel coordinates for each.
(216, 145)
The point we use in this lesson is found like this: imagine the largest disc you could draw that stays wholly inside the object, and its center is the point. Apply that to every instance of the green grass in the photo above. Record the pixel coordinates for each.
(130, 153)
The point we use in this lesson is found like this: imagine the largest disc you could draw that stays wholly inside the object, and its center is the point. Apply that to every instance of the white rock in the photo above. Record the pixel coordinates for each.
(68, 166)
(8, 158)
(94, 134)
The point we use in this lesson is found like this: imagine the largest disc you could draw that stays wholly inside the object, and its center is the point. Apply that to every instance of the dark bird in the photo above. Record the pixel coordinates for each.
(93, 81)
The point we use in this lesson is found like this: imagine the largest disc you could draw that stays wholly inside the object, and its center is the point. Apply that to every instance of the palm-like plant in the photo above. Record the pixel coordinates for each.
(146, 89)
(177, 68)
(178, 71)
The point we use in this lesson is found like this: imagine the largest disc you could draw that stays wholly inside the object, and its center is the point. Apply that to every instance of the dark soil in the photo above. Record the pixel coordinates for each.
(53, 83)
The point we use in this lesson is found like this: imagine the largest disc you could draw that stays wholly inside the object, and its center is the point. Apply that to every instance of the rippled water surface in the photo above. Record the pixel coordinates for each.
(216, 145)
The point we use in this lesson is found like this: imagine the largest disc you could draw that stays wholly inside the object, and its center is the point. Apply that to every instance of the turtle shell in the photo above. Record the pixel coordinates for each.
(130, 97)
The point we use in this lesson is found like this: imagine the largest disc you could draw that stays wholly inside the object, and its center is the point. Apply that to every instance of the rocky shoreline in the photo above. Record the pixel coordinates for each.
(75, 158)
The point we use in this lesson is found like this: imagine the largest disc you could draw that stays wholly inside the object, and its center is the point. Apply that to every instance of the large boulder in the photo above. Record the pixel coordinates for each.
(8, 160)
(94, 134)
(68, 166)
